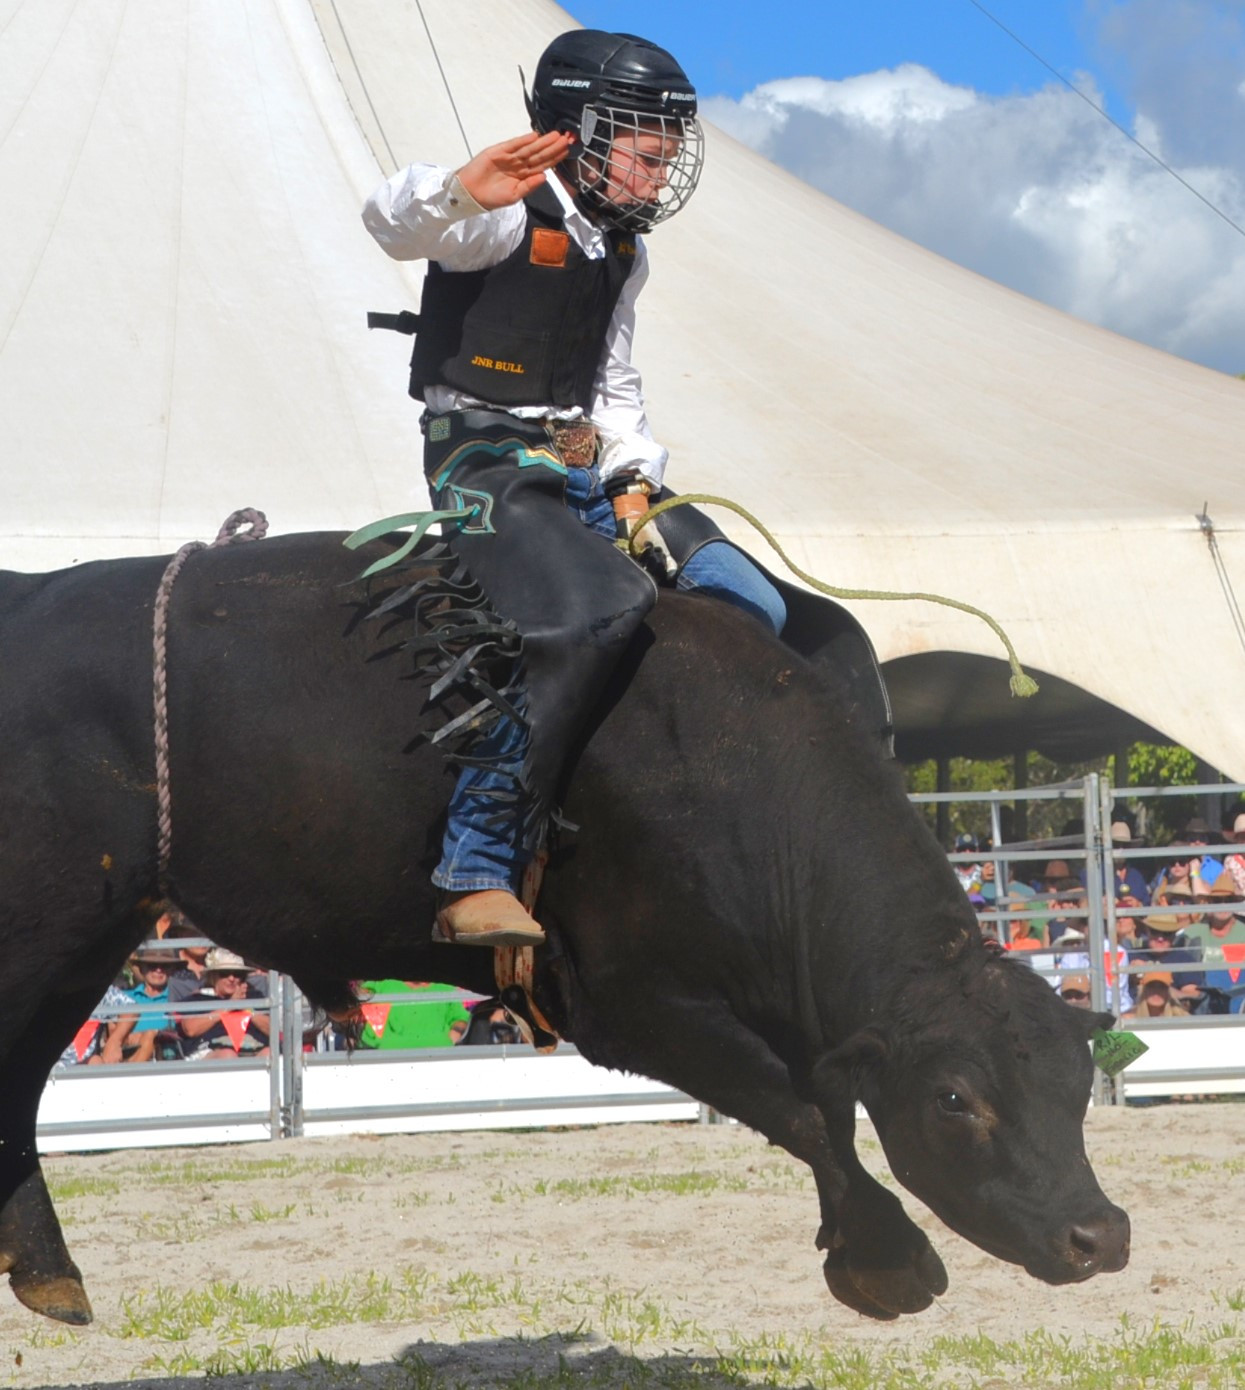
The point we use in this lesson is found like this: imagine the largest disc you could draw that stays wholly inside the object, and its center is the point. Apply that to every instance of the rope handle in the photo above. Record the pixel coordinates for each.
(1020, 684)
(230, 532)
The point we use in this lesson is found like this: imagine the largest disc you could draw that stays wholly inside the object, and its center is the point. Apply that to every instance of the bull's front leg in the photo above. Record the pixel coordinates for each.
(874, 1247)
(881, 1269)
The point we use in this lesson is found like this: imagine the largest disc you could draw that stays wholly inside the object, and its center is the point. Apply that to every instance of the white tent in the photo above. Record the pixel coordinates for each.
(183, 281)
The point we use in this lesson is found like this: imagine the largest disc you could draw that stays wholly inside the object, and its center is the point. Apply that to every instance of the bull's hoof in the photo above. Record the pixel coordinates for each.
(905, 1290)
(63, 1298)
(840, 1284)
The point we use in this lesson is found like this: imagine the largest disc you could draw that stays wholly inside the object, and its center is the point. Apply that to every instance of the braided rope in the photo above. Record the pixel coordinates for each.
(1020, 684)
(227, 534)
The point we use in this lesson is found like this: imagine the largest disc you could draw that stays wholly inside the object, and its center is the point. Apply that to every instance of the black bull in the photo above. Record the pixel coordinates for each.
(751, 912)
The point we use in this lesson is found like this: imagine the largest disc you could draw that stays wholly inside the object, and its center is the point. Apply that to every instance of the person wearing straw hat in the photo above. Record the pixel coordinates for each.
(1130, 882)
(224, 1032)
(1164, 947)
(134, 1037)
(1221, 939)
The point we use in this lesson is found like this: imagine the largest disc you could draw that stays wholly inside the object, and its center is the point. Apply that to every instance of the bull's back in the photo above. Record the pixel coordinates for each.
(297, 754)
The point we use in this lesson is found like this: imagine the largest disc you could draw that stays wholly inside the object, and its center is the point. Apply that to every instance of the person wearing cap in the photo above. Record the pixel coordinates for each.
(1075, 990)
(1154, 998)
(134, 1037)
(535, 429)
(226, 981)
(968, 874)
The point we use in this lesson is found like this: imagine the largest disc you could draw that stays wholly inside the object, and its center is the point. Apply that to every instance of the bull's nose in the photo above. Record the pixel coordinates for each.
(1098, 1244)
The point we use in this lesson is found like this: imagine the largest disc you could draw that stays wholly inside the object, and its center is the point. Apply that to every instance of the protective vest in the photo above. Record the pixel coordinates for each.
(528, 331)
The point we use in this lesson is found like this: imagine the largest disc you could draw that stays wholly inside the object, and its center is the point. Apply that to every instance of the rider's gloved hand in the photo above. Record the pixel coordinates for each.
(629, 493)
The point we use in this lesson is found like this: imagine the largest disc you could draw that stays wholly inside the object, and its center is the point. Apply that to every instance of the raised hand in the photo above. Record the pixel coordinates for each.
(506, 173)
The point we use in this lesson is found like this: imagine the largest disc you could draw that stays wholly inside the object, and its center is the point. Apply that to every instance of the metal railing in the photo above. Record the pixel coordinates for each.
(292, 1092)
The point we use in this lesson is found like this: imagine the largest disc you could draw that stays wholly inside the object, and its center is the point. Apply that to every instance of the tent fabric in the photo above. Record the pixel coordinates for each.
(182, 303)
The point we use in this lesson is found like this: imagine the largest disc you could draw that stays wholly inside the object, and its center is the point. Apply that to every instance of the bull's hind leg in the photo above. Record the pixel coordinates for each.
(32, 1249)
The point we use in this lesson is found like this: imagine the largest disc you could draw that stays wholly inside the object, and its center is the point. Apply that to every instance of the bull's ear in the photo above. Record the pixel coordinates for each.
(1095, 1021)
(845, 1066)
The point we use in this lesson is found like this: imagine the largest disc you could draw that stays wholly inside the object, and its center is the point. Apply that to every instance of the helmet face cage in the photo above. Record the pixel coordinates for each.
(634, 169)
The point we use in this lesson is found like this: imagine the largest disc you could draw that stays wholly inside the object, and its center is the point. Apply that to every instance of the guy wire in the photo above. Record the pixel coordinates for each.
(1221, 571)
(448, 91)
(354, 62)
(1093, 105)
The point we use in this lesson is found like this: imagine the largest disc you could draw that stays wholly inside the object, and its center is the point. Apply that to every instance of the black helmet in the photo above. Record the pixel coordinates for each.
(612, 91)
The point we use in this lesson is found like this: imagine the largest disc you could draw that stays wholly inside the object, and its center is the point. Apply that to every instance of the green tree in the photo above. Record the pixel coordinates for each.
(1149, 765)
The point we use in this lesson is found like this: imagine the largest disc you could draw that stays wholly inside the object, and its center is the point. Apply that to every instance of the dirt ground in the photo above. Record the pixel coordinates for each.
(505, 1257)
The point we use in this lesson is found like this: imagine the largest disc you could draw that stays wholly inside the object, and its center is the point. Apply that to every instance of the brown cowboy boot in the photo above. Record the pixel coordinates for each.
(489, 917)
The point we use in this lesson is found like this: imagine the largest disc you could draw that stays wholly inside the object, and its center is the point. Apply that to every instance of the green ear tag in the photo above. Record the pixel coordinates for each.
(1115, 1051)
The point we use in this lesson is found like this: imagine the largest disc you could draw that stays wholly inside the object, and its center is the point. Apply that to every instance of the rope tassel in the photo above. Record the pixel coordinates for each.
(1020, 684)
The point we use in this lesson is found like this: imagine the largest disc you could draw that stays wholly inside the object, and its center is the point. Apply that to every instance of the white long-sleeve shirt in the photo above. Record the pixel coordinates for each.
(424, 213)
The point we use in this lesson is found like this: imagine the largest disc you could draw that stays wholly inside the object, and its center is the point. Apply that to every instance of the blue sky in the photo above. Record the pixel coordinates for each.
(727, 51)
(927, 117)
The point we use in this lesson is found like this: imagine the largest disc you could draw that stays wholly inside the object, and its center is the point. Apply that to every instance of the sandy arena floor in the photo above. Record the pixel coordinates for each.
(490, 1255)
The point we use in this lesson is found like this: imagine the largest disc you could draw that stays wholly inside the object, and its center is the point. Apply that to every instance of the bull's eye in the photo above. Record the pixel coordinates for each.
(952, 1102)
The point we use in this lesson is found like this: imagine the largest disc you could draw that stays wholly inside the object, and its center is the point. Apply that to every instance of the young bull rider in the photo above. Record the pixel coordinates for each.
(535, 414)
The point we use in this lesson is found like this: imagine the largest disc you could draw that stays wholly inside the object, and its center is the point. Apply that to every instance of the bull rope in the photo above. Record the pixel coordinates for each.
(227, 535)
(1020, 683)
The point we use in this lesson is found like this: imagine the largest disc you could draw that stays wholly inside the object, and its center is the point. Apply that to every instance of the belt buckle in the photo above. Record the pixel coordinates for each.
(576, 442)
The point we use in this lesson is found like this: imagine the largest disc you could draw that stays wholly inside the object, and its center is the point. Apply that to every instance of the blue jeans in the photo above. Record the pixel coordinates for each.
(480, 850)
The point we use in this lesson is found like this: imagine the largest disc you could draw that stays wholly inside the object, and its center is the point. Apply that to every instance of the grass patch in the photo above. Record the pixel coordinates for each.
(231, 1309)
(690, 1184)
(65, 1189)
(552, 1335)
(1179, 1167)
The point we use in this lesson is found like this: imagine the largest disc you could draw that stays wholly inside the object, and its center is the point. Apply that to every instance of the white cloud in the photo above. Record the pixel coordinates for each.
(1037, 191)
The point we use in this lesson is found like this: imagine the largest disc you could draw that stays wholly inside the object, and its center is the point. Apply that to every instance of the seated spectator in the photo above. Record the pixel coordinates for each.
(1234, 863)
(989, 888)
(1067, 896)
(1188, 873)
(190, 976)
(137, 1037)
(437, 1023)
(1025, 933)
(1129, 931)
(88, 1043)
(224, 1032)
(1072, 954)
(1221, 940)
(491, 1025)
(968, 874)
(1198, 836)
(1130, 882)
(1055, 871)
(1161, 946)
(1155, 998)
(1074, 990)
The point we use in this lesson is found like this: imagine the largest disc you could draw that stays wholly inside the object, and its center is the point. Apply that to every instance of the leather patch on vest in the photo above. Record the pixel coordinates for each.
(549, 246)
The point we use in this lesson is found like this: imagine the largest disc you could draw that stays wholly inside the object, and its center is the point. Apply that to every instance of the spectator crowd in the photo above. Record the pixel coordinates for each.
(1180, 928)
(182, 998)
